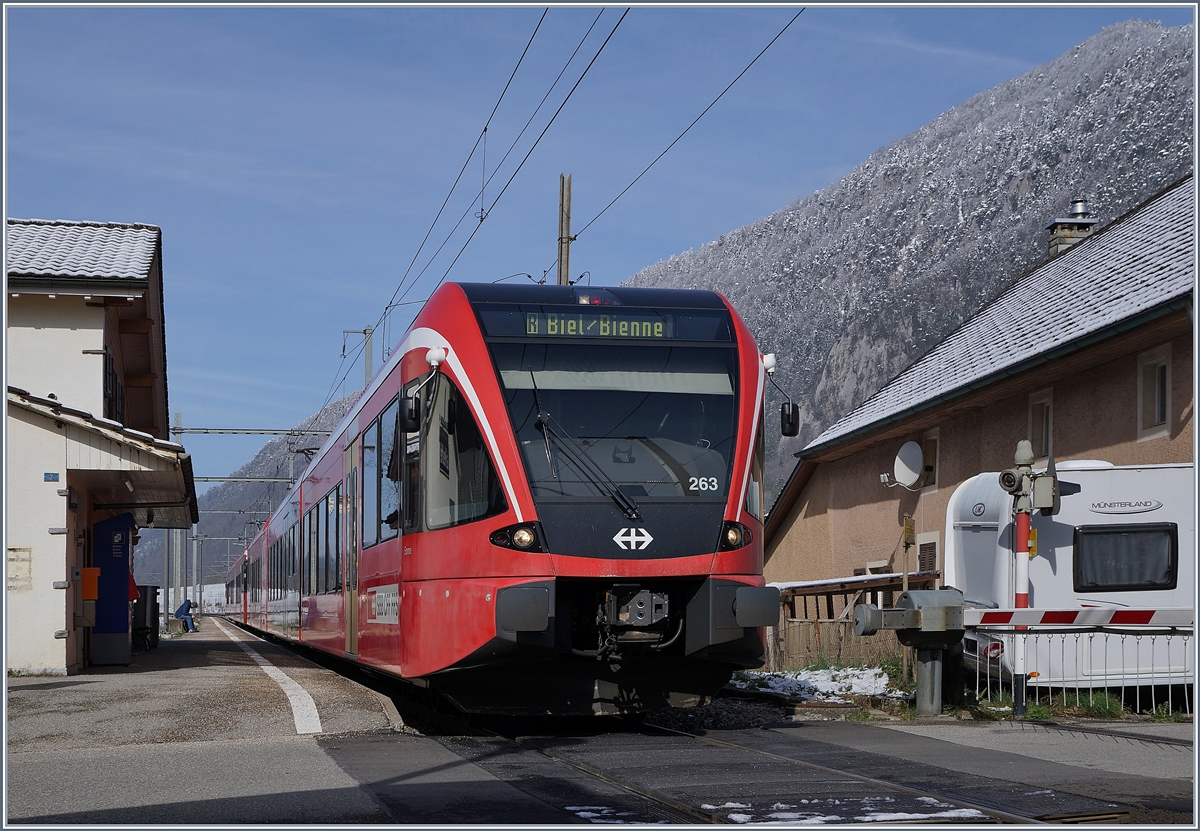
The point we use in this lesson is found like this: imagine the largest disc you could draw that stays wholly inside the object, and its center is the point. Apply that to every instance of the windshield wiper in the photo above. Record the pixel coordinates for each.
(579, 457)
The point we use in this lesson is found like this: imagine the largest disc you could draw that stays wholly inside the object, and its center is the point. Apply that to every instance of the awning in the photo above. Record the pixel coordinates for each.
(123, 469)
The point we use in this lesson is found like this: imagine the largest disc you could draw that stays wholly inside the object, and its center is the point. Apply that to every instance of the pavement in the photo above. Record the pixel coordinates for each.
(1156, 781)
(220, 727)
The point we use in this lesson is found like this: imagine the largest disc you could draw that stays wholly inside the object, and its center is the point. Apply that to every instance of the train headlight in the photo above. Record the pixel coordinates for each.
(524, 537)
(734, 535)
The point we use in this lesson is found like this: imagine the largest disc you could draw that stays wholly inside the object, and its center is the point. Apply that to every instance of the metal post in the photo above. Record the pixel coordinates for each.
(367, 356)
(929, 682)
(564, 229)
(165, 609)
(195, 566)
(177, 556)
(1019, 687)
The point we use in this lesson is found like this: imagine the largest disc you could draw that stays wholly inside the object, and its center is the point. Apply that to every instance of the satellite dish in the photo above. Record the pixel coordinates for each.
(910, 464)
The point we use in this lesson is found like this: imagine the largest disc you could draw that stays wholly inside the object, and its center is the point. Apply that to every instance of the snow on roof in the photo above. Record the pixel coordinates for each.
(60, 248)
(1134, 265)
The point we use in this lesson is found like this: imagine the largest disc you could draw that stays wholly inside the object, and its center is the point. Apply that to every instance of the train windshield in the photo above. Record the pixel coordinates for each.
(649, 421)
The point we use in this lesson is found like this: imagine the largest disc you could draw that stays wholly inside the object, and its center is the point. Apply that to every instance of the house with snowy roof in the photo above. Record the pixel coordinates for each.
(1088, 356)
(89, 460)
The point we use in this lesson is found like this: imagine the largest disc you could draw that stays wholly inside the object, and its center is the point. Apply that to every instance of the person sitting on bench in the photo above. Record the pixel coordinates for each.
(184, 613)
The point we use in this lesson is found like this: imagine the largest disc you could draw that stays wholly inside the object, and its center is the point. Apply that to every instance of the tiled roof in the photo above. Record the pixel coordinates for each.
(1136, 264)
(95, 250)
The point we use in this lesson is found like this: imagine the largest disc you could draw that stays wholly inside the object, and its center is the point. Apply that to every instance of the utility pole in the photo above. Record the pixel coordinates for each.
(177, 557)
(165, 610)
(367, 333)
(195, 562)
(564, 229)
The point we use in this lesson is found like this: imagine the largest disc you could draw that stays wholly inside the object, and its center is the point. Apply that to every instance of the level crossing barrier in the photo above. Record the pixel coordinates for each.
(1093, 660)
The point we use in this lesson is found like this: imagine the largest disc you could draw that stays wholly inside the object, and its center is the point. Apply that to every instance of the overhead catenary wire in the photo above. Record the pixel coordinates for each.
(450, 267)
(471, 155)
(339, 376)
(687, 129)
(462, 217)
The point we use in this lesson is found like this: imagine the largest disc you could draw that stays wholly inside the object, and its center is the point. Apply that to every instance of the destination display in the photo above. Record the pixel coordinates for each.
(609, 324)
(554, 324)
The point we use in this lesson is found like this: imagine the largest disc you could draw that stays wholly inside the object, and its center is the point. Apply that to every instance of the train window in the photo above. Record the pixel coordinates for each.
(370, 502)
(754, 493)
(350, 508)
(381, 474)
(322, 544)
(291, 558)
(460, 481)
(654, 421)
(310, 552)
(412, 469)
(1138, 557)
(333, 548)
(389, 473)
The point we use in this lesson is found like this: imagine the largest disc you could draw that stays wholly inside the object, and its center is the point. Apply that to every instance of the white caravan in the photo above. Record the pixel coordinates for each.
(1124, 538)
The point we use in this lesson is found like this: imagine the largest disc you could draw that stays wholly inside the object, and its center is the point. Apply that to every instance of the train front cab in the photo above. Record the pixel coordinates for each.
(582, 526)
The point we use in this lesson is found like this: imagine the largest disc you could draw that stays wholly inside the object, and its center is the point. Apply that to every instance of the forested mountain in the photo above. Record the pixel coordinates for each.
(853, 283)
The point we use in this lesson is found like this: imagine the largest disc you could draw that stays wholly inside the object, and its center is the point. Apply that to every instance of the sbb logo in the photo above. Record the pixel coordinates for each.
(633, 539)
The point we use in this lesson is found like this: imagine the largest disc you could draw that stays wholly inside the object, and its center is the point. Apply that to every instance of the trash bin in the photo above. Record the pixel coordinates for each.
(145, 618)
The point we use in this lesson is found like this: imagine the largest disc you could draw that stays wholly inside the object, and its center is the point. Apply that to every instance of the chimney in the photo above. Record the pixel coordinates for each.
(1066, 231)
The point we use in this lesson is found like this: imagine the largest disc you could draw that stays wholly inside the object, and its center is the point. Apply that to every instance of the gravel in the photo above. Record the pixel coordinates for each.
(721, 714)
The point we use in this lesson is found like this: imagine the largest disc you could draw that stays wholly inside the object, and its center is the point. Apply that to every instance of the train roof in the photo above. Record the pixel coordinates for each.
(568, 295)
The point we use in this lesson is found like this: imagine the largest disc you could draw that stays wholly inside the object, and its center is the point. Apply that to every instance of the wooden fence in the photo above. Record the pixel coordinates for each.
(798, 644)
(805, 637)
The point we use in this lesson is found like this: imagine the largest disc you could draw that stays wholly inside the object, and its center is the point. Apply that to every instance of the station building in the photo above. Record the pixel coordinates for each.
(1088, 356)
(89, 463)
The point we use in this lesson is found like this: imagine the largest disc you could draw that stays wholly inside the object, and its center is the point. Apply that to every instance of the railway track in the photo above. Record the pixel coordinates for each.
(768, 773)
(732, 811)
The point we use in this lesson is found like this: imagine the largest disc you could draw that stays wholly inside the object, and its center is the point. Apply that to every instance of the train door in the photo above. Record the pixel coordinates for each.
(350, 547)
(245, 589)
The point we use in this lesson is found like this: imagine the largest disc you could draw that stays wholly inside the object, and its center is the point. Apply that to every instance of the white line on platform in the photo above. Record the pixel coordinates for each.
(304, 711)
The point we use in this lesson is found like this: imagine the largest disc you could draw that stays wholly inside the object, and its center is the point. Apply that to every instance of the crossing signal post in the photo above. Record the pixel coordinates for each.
(1031, 492)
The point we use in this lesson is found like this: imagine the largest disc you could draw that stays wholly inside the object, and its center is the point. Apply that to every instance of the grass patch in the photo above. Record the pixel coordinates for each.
(1163, 713)
(897, 679)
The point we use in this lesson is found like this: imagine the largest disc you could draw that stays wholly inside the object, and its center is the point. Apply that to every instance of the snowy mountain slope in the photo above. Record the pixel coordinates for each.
(853, 283)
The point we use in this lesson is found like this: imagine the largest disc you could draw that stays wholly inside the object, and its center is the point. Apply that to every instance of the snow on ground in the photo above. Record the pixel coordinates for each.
(820, 684)
(835, 810)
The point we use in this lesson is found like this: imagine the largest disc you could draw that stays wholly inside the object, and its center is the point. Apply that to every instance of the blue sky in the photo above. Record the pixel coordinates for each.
(296, 157)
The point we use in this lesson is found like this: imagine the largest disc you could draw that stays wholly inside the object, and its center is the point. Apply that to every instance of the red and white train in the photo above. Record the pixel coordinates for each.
(549, 500)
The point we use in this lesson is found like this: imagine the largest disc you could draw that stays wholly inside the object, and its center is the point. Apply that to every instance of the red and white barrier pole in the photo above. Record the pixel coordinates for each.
(1021, 572)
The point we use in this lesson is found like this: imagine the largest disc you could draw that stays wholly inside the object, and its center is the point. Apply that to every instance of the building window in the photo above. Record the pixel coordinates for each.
(927, 551)
(1154, 393)
(1041, 423)
(929, 448)
(114, 390)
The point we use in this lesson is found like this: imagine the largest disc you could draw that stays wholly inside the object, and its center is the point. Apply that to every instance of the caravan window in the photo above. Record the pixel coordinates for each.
(1126, 557)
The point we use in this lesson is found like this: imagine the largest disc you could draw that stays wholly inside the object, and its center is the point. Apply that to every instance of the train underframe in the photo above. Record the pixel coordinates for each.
(611, 646)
